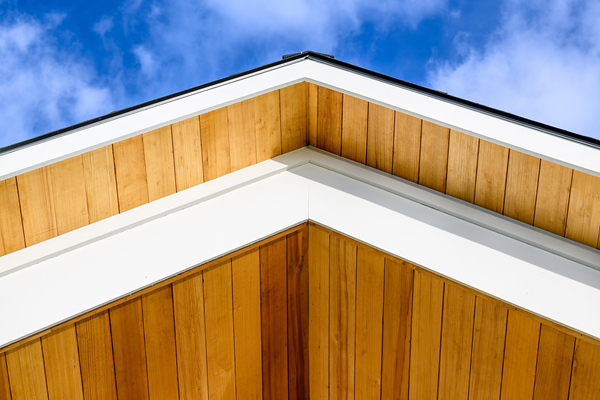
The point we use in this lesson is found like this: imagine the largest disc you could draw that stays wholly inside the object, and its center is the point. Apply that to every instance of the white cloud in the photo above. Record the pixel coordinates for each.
(103, 26)
(43, 87)
(543, 64)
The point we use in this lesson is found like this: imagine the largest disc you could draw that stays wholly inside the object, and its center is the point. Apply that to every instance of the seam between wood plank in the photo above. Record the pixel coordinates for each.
(441, 338)
(204, 327)
(568, 203)
(472, 340)
(112, 352)
(537, 191)
(537, 357)
(382, 308)
(175, 327)
(145, 350)
(504, 354)
(572, 367)
(505, 182)
(44, 364)
(21, 218)
(233, 328)
(419, 152)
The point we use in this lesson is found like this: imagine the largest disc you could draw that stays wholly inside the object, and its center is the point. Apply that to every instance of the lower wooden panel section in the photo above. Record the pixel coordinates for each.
(305, 314)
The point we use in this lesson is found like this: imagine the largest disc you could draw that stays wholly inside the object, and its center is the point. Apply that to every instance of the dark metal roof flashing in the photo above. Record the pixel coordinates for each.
(328, 59)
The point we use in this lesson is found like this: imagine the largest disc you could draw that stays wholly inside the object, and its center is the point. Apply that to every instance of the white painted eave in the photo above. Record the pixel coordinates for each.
(71, 274)
(489, 127)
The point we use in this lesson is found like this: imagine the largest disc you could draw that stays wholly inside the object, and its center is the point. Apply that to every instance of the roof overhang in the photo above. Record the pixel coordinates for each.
(68, 275)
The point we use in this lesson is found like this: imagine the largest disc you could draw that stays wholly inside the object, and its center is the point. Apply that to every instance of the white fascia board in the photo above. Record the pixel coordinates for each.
(459, 117)
(519, 264)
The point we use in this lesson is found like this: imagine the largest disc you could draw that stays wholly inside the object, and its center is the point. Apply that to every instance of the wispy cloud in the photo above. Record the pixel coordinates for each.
(543, 63)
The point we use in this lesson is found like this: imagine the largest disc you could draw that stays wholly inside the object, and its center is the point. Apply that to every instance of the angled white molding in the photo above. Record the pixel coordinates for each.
(66, 276)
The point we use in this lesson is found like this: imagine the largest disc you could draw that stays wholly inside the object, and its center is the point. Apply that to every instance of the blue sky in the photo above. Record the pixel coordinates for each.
(62, 62)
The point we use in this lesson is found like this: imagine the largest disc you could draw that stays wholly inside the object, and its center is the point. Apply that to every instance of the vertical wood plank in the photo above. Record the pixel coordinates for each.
(426, 330)
(26, 371)
(457, 339)
(61, 362)
(554, 189)
(214, 133)
(583, 218)
(397, 316)
(434, 156)
(160, 165)
(100, 183)
(520, 356)
(313, 97)
(585, 382)
(273, 295)
(129, 350)
(354, 128)
(130, 171)
(370, 273)
(247, 325)
(407, 147)
(380, 138)
(293, 117)
(37, 205)
(159, 333)
(342, 324)
(188, 302)
(318, 313)
(267, 122)
(187, 153)
(96, 357)
(242, 136)
(329, 123)
(492, 166)
(462, 166)
(218, 313)
(488, 350)
(11, 224)
(4, 383)
(297, 265)
(521, 186)
(68, 189)
(554, 362)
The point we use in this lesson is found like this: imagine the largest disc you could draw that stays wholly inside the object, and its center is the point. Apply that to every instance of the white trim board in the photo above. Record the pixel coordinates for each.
(455, 116)
(507, 260)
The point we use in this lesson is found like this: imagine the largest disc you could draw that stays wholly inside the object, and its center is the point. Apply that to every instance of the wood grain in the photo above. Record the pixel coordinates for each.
(318, 312)
(297, 275)
(554, 364)
(329, 124)
(354, 128)
(407, 147)
(457, 339)
(397, 319)
(521, 186)
(37, 205)
(434, 156)
(188, 304)
(426, 330)
(370, 273)
(61, 363)
(129, 352)
(100, 183)
(342, 313)
(380, 138)
(4, 383)
(293, 117)
(583, 220)
(267, 123)
(313, 97)
(554, 190)
(187, 153)
(242, 136)
(585, 381)
(218, 314)
(11, 224)
(273, 295)
(492, 167)
(247, 325)
(130, 172)
(26, 372)
(160, 165)
(215, 144)
(159, 333)
(96, 357)
(520, 357)
(68, 189)
(462, 166)
(489, 333)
